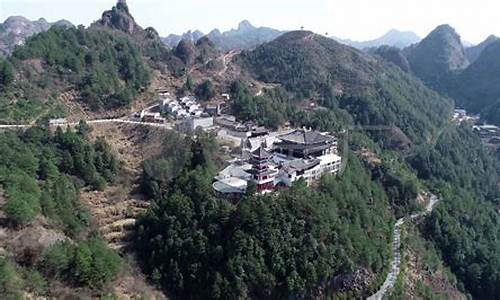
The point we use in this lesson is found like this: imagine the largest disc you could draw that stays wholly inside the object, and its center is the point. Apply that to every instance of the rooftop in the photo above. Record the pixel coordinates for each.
(305, 137)
(300, 165)
(231, 185)
(234, 170)
(262, 153)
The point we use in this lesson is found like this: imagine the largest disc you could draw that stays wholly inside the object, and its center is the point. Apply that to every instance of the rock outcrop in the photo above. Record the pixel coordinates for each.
(119, 18)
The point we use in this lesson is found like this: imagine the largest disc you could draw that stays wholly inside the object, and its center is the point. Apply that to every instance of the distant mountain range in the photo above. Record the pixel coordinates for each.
(16, 29)
(172, 40)
(469, 75)
(246, 36)
(393, 38)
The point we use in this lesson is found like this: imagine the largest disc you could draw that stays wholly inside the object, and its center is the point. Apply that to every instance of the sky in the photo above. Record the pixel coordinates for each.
(353, 19)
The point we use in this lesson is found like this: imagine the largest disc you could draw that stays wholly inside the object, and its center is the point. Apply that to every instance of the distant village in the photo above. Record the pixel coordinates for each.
(489, 134)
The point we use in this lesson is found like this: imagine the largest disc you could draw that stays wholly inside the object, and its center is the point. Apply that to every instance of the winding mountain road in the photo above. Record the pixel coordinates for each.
(391, 278)
(99, 121)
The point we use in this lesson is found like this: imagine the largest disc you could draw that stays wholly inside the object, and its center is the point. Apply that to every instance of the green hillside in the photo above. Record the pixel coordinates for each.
(107, 68)
(344, 79)
(41, 175)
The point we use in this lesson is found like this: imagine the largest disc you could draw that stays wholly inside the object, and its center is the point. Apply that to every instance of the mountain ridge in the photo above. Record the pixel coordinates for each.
(16, 29)
(355, 81)
(439, 55)
(245, 36)
(394, 38)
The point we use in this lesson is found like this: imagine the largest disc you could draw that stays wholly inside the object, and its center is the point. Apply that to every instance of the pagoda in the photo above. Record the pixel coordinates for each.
(262, 173)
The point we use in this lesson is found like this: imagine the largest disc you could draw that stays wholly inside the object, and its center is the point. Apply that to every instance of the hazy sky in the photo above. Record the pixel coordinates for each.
(354, 19)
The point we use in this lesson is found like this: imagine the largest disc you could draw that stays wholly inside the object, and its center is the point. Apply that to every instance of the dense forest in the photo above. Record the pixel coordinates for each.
(466, 225)
(6, 73)
(452, 162)
(107, 68)
(41, 174)
(290, 244)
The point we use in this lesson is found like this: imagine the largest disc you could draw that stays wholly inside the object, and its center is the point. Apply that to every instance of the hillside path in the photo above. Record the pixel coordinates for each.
(123, 121)
(391, 278)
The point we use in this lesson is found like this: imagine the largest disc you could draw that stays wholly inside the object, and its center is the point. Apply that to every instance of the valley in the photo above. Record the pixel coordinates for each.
(253, 163)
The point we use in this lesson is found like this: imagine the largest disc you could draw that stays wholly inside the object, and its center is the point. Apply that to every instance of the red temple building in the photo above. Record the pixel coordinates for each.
(263, 174)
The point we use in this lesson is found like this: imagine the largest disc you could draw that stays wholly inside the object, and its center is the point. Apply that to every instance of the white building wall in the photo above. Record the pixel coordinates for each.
(202, 122)
(330, 163)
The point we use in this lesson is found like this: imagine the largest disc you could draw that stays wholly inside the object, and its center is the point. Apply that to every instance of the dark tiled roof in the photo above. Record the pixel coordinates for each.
(262, 153)
(300, 165)
(306, 137)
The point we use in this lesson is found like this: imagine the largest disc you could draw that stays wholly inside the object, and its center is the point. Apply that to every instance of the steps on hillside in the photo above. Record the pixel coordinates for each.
(115, 218)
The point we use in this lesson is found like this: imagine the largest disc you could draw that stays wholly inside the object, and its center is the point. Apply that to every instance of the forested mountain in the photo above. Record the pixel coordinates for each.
(246, 36)
(330, 239)
(107, 69)
(393, 38)
(438, 57)
(474, 52)
(393, 55)
(119, 19)
(16, 29)
(345, 79)
(104, 67)
(201, 52)
(442, 63)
